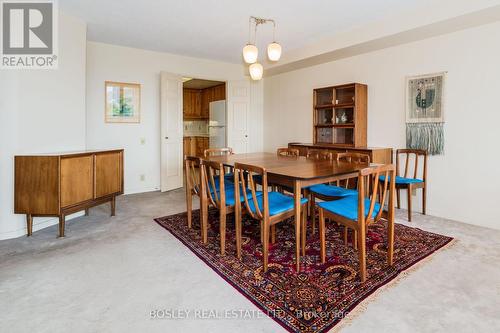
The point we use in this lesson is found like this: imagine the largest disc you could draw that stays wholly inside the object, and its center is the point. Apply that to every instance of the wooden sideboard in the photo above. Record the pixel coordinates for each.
(62, 184)
(377, 155)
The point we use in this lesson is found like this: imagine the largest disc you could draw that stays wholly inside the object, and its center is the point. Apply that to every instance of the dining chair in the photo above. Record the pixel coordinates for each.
(411, 183)
(269, 208)
(287, 152)
(221, 152)
(319, 154)
(328, 192)
(284, 152)
(220, 194)
(193, 184)
(358, 212)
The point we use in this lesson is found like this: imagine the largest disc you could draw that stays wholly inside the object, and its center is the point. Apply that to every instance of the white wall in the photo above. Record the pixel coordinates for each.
(463, 183)
(41, 111)
(115, 63)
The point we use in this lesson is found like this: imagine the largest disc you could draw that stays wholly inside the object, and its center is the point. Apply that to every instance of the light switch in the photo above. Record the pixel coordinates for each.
(143, 178)
(143, 141)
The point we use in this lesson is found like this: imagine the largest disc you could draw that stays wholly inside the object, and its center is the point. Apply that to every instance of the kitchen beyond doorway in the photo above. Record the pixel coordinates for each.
(204, 115)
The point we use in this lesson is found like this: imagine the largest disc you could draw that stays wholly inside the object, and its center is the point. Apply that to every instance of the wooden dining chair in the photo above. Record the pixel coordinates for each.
(319, 154)
(269, 208)
(284, 152)
(221, 152)
(358, 212)
(218, 152)
(193, 184)
(287, 152)
(220, 194)
(328, 192)
(408, 183)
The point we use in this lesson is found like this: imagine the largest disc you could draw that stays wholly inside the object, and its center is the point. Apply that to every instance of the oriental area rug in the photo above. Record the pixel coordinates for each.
(321, 295)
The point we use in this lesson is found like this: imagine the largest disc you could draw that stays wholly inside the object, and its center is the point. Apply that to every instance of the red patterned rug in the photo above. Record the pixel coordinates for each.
(321, 295)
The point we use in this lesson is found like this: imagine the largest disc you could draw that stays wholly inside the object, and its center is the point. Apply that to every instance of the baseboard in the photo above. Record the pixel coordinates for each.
(39, 223)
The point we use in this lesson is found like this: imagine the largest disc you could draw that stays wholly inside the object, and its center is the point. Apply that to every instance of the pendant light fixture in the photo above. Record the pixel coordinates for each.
(251, 52)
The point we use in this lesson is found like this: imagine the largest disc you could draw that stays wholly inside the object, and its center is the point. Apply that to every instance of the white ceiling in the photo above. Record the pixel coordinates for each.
(218, 29)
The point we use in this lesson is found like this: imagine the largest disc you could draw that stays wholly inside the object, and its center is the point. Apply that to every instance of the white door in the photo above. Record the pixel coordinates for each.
(171, 131)
(238, 111)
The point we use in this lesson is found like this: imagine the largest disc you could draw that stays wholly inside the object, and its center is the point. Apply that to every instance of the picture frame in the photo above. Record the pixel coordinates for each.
(122, 102)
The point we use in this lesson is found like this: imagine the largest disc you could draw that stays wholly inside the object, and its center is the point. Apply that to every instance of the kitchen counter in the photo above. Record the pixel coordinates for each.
(196, 135)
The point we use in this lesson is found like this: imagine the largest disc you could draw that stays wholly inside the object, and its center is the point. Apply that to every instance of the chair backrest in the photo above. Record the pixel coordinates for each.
(244, 177)
(352, 158)
(213, 175)
(217, 152)
(409, 154)
(193, 174)
(287, 152)
(319, 154)
(372, 174)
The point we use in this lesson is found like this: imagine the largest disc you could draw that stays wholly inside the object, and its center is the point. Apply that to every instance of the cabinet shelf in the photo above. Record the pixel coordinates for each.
(340, 115)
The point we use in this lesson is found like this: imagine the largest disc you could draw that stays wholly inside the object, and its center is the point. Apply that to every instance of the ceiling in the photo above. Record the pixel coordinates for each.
(200, 84)
(218, 29)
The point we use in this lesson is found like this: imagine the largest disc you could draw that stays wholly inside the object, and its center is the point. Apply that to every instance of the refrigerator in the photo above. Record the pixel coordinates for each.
(217, 124)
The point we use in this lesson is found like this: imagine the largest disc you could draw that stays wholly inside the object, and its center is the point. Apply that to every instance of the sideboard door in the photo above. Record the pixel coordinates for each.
(108, 174)
(76, 180)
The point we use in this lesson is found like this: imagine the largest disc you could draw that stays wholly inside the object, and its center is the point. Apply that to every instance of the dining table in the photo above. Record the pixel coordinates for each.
(293, 172)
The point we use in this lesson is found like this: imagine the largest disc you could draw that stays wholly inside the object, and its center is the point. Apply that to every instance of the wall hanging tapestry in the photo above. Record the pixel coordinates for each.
(424, 112)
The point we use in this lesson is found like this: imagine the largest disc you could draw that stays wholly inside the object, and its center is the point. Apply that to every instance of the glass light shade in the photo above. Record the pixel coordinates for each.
(250, 53)
(274, 51)
(256, 71)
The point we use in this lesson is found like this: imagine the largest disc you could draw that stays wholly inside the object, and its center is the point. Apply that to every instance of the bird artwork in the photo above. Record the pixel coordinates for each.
(424, 114)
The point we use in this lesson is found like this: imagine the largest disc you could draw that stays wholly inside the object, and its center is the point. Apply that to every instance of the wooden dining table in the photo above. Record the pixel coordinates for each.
(290, 171)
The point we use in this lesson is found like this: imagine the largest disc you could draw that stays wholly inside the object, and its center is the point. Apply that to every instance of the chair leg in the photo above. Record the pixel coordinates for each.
(398, 198)
(345, 235)
(222, 220)
(390, 241)
(424, 199)
(303, 214)
(237, 222)
(409, 203)
(322, 236)
(313, 213)
(355, 239)
(362, 255)
(273, 234)
(265, 244)
(189, 203)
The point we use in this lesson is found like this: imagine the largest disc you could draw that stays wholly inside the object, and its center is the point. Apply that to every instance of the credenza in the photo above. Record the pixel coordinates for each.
(377, 155)
(65, 183)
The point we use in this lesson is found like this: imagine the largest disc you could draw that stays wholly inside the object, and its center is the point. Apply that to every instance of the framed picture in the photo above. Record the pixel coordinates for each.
(424, 98)
(123, 102)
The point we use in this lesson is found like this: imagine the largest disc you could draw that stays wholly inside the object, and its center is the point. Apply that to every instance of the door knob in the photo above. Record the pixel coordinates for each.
(246, 136)
(166, 137)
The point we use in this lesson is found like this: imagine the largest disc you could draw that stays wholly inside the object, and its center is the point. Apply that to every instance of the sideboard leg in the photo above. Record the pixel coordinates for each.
(113, 206)
(62, 221)
(86, 212)
(29, 224)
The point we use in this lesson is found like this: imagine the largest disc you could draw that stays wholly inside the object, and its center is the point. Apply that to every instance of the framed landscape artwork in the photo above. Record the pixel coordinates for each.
(123, 102)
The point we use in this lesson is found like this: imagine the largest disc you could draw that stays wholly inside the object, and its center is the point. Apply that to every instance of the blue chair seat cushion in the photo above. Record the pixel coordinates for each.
(402, 180)
(230, 195)
(348, 207)
(332, 191)
(278, 203)
(228, 182)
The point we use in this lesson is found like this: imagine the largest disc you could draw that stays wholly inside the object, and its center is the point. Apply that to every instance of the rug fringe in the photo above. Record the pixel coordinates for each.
(360, 308)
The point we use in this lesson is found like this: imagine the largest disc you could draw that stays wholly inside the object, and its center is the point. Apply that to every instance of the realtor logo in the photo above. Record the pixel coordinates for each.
(29, 34)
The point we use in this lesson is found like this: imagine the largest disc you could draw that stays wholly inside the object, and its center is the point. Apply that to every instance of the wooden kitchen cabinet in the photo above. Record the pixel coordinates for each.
(192, 104)
(195, 145)
(62, 184)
